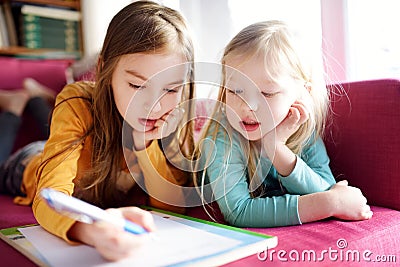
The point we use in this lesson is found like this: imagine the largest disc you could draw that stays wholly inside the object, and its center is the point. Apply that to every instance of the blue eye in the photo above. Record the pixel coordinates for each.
(235, 91)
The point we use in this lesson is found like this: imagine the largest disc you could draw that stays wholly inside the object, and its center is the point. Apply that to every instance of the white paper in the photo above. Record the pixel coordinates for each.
(175, 243)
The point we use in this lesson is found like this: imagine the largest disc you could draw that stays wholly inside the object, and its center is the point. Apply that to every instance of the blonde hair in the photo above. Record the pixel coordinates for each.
(273, 41)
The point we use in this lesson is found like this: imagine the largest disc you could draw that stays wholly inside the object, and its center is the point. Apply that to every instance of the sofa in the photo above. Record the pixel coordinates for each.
(362, 142)
(51, 73)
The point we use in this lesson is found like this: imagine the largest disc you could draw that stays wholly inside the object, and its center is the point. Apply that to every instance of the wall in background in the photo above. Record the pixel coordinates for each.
(97, 14)
(359, 37)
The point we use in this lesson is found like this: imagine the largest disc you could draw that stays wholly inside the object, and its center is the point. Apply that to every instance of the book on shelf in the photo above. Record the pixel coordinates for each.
(39, 53)
(50, 27)
(10, 25)
(52, 12)
(40, 32)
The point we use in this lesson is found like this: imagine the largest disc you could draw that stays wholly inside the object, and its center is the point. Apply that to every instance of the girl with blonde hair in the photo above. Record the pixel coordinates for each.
(262, 156)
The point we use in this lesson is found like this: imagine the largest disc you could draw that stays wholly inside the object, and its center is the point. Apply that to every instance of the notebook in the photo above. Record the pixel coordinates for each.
(180, 241)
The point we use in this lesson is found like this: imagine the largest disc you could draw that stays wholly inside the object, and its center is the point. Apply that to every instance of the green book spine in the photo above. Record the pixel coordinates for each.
(41, 32)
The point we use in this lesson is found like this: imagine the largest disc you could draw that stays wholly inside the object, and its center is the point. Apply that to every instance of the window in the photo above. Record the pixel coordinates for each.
(373, 39)
(214, 23)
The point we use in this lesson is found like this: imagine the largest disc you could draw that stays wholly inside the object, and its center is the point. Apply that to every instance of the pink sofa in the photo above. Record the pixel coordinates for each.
(48, 72)
(362, 141)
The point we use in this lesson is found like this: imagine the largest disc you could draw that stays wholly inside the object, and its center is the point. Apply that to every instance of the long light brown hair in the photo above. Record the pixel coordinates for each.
(140, 27)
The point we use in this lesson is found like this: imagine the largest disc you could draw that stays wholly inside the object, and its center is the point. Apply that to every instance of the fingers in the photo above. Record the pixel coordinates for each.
(136, 215)
(166, 124)
(297, 115)
(300, 112)
(140, 217)
(367, 212)
(343, 182)
(113, 242)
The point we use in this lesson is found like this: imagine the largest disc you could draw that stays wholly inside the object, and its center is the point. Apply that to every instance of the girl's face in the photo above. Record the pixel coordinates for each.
(148, 86)
(254, 104)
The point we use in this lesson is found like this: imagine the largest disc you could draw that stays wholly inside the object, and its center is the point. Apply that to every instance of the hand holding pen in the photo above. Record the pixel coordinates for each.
(115, 233)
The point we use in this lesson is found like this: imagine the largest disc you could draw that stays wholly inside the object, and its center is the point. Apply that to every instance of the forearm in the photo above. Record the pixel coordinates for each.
(306, 180)
(243, 211)
(310, 172)
(316, 206)
(283, 159)
(82, 232)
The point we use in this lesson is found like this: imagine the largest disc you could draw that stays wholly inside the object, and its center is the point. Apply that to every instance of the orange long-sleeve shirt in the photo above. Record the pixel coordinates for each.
(70, 121)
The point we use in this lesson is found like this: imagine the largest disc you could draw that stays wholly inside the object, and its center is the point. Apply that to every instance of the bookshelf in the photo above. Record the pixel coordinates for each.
(41, 27)
(73, 4)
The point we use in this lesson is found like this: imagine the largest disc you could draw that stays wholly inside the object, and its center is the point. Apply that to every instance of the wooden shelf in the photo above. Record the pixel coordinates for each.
(43, 52)
(60, 3)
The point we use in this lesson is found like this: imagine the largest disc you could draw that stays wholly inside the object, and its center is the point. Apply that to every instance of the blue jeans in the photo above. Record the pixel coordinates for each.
(12, 171)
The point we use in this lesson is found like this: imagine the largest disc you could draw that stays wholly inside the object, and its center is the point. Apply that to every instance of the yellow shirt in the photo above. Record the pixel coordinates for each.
(70, 121)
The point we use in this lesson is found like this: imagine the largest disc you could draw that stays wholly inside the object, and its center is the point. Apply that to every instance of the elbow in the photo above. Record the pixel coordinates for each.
(240, 217)
(235, 220)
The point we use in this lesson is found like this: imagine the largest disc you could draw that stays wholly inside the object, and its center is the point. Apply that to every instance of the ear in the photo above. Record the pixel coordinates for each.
(308, 86)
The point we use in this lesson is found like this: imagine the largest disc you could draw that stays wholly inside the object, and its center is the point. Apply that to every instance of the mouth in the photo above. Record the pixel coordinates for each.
(249, 125)
(147, 123)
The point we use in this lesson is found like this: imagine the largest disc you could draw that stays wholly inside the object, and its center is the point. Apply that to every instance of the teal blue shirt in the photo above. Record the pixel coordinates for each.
(228, 179)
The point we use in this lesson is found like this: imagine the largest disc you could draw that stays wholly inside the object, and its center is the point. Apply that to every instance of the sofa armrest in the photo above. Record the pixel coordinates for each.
(363, 138)
(50, 72)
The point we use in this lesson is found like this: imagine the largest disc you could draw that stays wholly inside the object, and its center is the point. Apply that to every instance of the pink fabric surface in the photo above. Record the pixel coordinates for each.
(379, 235)
(48, 72)
(363, 139)
(13, 215)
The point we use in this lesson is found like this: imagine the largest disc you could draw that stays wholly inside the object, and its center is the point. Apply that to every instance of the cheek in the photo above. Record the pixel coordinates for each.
(123, 103)
(233, 102)
(232, 116)
(232, 108)
(170, 101)
(279, 111)
(130, 107)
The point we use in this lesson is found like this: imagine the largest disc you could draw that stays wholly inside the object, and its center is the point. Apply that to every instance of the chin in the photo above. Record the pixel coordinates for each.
(252, 136)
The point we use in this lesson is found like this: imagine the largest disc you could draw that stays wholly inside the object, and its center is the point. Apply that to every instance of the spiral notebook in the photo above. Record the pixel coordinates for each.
(180, 241)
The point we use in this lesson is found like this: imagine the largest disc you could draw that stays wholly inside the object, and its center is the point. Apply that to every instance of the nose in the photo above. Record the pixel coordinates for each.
(156, 107)
(251, 104)
(152, 107)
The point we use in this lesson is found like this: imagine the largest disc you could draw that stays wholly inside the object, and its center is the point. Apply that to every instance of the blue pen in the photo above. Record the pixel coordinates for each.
(85, 212)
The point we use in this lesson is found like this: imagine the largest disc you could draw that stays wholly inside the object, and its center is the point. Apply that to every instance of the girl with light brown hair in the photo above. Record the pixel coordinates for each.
(109, 139)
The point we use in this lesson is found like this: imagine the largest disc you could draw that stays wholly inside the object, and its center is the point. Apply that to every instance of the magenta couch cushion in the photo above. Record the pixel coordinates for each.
(363, 139)
(48, 72)
(13, 215)
(374, 239)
